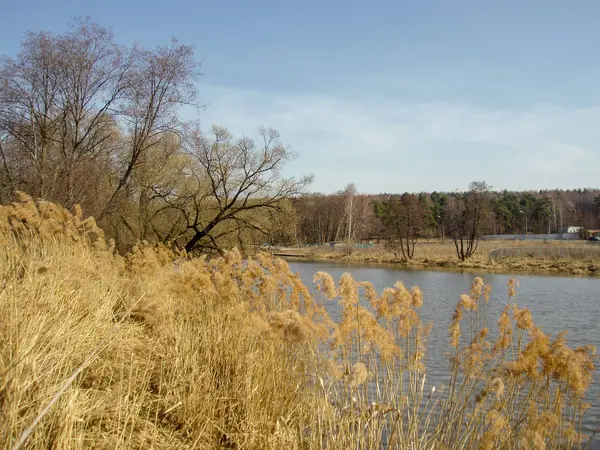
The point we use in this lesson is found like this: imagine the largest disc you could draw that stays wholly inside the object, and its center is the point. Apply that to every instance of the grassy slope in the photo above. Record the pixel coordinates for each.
(178, 363)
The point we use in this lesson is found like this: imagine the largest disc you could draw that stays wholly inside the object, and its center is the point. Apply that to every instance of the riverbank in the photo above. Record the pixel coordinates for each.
(441, 255)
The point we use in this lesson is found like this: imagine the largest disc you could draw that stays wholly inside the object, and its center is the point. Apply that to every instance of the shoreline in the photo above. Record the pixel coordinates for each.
(525, 266)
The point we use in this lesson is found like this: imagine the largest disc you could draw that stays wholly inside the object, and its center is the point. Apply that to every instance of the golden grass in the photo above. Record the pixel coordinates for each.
(159, 350)
(581, 260)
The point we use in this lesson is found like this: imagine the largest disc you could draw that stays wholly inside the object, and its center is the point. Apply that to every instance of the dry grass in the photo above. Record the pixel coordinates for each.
(589, 252)
(569, 257)
(164, 351)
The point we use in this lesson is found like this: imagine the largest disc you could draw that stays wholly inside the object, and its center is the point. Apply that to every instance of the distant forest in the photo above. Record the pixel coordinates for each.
(348, 215)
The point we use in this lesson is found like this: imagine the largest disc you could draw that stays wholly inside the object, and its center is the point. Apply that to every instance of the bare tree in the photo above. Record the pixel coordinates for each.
(349, 194)
(78, 112)
(466, 213)
(161, 81)
(403, 218)
(56, 105)
(321, 217)
(234, 187)
(28, 88)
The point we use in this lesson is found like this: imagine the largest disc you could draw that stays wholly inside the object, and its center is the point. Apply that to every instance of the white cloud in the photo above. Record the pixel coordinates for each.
(392, 145)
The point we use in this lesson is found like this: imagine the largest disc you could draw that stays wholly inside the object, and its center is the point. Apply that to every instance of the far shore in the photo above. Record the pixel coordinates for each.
(440, 256)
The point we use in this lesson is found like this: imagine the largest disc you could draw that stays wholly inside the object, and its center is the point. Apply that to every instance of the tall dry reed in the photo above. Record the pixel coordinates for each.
(159, 350)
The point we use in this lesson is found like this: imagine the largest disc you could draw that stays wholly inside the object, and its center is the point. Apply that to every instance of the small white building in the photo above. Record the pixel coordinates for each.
(571, 229)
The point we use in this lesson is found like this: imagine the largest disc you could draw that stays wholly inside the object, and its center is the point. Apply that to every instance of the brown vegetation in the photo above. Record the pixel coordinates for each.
(558, 257)
(158, 350)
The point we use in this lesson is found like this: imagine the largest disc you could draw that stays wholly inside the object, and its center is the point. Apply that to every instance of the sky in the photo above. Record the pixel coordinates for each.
(393, 96)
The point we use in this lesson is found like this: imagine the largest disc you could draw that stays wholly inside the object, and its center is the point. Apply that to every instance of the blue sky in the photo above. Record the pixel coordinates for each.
(391, 95)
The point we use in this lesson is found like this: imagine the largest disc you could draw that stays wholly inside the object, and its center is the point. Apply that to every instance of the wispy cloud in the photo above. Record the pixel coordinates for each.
(392, 145)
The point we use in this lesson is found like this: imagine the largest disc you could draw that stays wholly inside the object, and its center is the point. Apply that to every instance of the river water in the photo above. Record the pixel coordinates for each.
(558, 303)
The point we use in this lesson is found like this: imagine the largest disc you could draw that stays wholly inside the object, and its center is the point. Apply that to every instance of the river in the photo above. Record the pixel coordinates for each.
(558, 303)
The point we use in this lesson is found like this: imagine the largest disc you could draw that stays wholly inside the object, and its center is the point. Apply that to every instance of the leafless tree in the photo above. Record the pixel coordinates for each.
(349, 212)
(56, 108)
(161, 81)
(234, 187)
(320, 217)
(403, 218)
(78, 112)
(466, 213)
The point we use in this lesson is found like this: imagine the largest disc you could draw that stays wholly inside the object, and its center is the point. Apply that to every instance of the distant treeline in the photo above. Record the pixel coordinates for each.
(347, 215)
